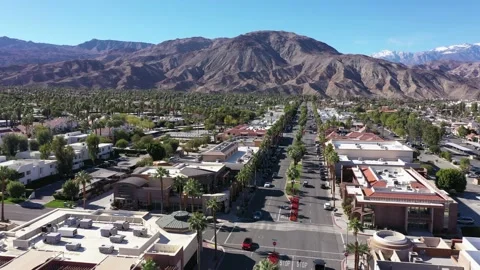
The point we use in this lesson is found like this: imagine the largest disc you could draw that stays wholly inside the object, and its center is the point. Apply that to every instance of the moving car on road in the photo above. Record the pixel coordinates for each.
(247, 244)
(268, 185)
(323, 186)
(327, 206)
(465, 220)
(257, 215)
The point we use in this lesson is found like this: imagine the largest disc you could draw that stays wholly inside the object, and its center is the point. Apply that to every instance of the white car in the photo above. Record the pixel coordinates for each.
(268, 185)
(327, 206)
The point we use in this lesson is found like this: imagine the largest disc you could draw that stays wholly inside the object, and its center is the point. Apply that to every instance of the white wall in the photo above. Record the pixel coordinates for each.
(33, 169)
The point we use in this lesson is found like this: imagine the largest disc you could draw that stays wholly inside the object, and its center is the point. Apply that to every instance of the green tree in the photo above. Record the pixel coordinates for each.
(446, 155)
(43, 135)
(355, 226)
(44, 151)
(266, 264)
(149, 264)
(33, 145)
(292, 175)
(5, 174)
(122, 143)
(179, 183)
(82, 178)
(93, 141)
(193, 189)
(451, 179)
(428, 167)
(64, 156)
(10, 144)
(156, 150)
(70, 189)
(431, 135)
(22, 143)
(159, 174)
(332, 160)
(16, 189)
(465, 164)
(214, 206)
(198, 223)
(146, 161)
(295, 154)
(434, 149)
(462, 131)
(358, 249)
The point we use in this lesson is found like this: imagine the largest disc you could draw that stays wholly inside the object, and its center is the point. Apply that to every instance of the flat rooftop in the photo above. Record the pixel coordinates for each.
(372, 162)
(369, 145)
(29, 237)
(243, 155)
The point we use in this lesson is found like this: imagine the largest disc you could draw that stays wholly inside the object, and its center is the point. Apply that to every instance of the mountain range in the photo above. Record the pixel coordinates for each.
(463, 53)
(263, 61)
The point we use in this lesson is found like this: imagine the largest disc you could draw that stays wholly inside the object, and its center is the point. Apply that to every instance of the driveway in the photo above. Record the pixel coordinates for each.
(45, 194)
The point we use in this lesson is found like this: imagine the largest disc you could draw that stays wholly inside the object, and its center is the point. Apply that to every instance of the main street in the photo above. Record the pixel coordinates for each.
(312, 237)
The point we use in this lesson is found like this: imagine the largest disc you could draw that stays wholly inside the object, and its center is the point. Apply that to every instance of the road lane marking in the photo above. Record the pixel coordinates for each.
(293, 260)
(279, 213)
(216, 233)
(285, 254)
(233, 228)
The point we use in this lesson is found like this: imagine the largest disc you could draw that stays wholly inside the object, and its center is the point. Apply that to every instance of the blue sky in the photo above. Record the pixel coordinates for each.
(351, 26)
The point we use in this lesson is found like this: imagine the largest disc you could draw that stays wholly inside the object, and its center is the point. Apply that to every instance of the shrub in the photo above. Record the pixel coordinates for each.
(16, 189)
(122, 143)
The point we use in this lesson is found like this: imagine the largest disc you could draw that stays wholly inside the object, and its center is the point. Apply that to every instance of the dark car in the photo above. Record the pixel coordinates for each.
(247, 244)
(324, 186)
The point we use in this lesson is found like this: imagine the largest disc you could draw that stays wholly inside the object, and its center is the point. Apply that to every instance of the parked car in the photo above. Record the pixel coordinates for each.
(310, 171)
(247, 244)
(465, 220)
(305, 183)
(268, 185)
(323, 186)
(327, 206)
(257, 215)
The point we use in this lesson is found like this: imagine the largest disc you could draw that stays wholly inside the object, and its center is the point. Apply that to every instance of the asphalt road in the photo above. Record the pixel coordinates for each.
(299, 243)
(17, 213)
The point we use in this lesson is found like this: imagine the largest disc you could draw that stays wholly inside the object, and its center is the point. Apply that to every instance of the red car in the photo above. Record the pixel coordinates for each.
(247, 244)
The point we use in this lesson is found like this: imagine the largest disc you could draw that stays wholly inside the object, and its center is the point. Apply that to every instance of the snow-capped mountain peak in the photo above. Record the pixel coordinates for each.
(461, 52)
(384, 53)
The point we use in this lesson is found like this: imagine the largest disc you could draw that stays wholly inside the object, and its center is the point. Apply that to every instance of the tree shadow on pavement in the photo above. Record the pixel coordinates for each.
(234, 261)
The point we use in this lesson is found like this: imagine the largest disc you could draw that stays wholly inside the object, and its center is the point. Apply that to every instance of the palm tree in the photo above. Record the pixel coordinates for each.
(83, 178)
(266, 265)
(193, 189)
(149, 264)
(214, 206)
(5, 174)
(179, 184)
(198, 223)
(159, 174)
(359, 250)
(355, 226)
(333, 159)
(292, 174)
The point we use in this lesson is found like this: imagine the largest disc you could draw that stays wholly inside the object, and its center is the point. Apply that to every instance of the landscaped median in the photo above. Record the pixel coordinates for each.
(293, 172)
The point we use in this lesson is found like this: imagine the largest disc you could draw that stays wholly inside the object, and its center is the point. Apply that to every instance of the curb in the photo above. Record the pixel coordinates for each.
(219, 262)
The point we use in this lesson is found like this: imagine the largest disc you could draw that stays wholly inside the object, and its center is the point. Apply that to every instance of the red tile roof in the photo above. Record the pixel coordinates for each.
(368, 175)
(411, 196)
(417, 185)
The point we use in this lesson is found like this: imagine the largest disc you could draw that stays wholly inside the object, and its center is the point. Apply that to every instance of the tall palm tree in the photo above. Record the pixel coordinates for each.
(5, 174)
(292, 174)
(193, 189)
(359, 250)
(266, 265)
(355, 226)
(179, 184)
(214, 206)
(198, 223)
(83, 178)
(333, 159)
(159, 174)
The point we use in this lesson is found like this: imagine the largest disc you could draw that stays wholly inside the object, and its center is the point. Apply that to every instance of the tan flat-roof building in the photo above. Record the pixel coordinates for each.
(398, 198)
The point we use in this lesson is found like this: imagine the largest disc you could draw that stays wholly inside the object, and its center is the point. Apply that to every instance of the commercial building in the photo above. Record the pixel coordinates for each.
(30, 169)
(241, 131)
(350, 151)
(141, 190)
(79, 239)
(394, 251)
(398, 198)
(220, 152)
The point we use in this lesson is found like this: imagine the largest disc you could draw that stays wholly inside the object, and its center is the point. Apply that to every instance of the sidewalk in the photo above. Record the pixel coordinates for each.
(232, 215)
(208, 261)
(341, 220)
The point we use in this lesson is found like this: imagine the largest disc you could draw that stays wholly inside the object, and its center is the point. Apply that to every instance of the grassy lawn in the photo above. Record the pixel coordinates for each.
(13, 201)
(56, 204)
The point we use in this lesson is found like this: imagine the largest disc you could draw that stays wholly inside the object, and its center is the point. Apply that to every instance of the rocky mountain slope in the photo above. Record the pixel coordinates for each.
(268, 61)
(20, 52)
(462, 52)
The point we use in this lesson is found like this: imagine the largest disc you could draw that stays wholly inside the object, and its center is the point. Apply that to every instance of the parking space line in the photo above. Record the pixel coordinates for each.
(279, 213)
(216, 232)
(233, 228)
